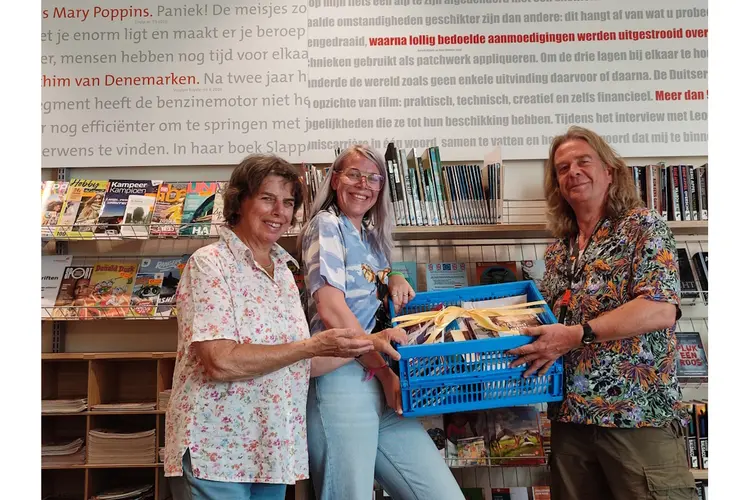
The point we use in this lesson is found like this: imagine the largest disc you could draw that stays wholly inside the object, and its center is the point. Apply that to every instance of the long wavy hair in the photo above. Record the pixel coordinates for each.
(621, 195)
(378, 220)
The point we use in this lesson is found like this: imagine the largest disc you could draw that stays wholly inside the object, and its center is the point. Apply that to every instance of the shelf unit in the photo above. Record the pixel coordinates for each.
(120, 377)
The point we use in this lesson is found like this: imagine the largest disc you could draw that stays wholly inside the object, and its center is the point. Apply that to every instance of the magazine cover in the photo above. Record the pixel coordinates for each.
(514, 436)
(115, 206)
(53, 196)
(170, 268)
(73, 293)
(83, 203)
(198, 211)
(53, 268)
(217, 218)
(111, 286)
(138, 214)
(145, 295)
(168, 209)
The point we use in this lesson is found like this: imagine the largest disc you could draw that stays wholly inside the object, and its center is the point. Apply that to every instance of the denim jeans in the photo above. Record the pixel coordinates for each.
(188, 487)
(354, 438)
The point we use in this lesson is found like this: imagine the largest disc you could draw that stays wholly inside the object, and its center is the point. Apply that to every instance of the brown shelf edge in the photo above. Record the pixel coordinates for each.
(103, 466)
(85, 356)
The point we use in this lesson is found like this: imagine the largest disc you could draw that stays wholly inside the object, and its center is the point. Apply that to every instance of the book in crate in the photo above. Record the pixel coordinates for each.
(449, 373)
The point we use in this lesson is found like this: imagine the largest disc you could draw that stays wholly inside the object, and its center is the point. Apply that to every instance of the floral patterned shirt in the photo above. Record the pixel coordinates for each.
(623, 383)
(250, 430)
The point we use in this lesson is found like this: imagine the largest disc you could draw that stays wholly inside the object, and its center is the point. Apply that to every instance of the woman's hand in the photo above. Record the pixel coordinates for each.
(400, 290)
(392, 390)
(382, 341)
(341, 343)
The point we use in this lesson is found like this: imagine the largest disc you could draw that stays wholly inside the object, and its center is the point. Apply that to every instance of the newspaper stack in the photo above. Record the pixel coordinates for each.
(124, 407)
(144, 492)
(64, 405)
(107, 447)
(72, 453)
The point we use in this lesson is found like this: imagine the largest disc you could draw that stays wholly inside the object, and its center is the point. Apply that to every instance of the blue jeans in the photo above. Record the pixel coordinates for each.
(353, 438)
(188, 487)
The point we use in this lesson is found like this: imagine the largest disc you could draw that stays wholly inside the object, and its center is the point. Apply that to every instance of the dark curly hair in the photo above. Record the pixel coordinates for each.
(247, 178)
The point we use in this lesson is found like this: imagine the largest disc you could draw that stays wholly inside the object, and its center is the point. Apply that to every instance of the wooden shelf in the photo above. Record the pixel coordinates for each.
(101, 378)
(64, 356)
(103, 466)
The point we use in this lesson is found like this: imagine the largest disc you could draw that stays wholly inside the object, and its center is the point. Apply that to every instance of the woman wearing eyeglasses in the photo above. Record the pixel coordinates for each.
(355, 431)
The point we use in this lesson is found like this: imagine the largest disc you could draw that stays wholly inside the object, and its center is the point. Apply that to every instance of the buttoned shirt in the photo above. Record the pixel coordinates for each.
(251, 430)
(336, 253)
(624, 383)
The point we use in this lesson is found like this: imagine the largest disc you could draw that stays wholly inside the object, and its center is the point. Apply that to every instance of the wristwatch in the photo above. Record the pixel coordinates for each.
(589, 337)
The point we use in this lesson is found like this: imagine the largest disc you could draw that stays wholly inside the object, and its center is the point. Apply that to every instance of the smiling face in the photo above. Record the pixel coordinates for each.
(356, 194)
(266, 216)
(581, 174)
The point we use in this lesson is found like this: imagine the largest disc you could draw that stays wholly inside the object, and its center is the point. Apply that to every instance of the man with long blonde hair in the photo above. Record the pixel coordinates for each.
(612, 281)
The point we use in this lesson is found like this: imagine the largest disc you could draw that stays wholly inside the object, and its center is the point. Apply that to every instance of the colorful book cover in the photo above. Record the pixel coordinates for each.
(489, 273)
(73, 294)
(409, 268)
(217, 218)
(146, 290)
(138, 214)
(533, 270)
(464, 443)
(446, 276)
(198, 210)
(111, 287)
(80, 213)
(168, 209)
(514, 436)
(171, 269)
(53, 268)
(692, 363)
(53, 197)
(116, 199)
(434, 427)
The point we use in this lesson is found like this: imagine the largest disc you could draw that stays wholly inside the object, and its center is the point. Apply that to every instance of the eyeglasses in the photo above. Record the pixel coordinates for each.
(353, 176)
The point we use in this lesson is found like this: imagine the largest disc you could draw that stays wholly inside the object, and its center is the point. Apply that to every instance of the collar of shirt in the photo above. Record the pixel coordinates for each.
(361, 234)
(241, 251)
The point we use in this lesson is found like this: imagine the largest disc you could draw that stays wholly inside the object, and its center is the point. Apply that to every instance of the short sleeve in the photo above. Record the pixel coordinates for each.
(323, 254)
(205, 309)
(655, 274)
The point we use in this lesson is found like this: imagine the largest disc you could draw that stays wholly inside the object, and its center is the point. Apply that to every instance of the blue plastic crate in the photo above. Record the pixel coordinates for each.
(472, 375)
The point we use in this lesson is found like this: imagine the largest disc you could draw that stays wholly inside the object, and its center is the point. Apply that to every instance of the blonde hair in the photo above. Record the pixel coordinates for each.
(378, 220)
(621, 195)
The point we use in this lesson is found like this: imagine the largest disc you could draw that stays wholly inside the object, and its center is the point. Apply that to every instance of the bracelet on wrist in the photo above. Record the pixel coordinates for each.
(396, 273)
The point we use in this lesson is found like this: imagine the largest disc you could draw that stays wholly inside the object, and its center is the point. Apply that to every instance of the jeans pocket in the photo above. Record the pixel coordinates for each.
(671, 482)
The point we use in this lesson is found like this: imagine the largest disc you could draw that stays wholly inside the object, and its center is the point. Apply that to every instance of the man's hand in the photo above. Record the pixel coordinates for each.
(392, 390)
(553, 341)
(382, 341)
